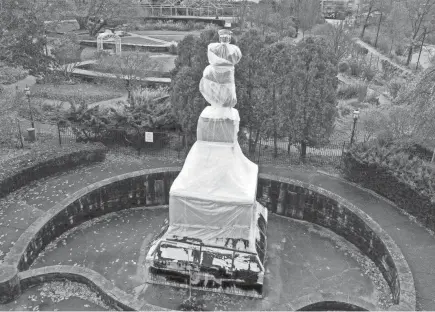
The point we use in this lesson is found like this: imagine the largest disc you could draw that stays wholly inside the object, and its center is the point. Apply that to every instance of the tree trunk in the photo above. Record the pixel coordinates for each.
(391, 47)
(379, 28)
(275, 144)
(408, 60)
(275, 132)
(96, 27)
(250, 141)
(257, 136)
(289, 144)
(82, 21)
(365, 25)
(303, 150)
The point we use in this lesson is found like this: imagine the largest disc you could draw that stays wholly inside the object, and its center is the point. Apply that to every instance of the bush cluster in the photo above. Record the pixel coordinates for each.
(343, 67)
(48, 92)
(357, 90)
(10, 74)
(168, 25)
(397, 170)
(173, 48)
(394, 87)
(355, 68)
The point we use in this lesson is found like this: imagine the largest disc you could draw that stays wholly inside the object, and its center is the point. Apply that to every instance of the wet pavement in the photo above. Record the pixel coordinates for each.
(21, 208)
(302, 259)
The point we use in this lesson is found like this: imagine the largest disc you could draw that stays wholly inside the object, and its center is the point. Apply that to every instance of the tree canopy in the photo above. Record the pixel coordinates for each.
(22, 39)
(282, 89)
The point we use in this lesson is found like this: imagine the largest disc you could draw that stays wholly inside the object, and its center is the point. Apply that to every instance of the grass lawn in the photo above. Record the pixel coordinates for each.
(165, 63)
(89, 92)
(166, 32)
(138, 40)
(169, 38)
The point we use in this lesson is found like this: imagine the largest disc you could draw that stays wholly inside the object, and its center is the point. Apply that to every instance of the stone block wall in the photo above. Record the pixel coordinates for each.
(96, 200)
(282, 196)
(33, 166)
(299, 201)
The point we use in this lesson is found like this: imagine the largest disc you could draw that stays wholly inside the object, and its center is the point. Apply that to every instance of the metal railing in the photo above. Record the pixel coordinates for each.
(176, 145)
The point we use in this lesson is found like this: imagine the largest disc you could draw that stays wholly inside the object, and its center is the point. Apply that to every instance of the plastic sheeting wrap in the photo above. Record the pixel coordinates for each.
(217, 84)
(215, 224)
(218, 124)
(213, 197)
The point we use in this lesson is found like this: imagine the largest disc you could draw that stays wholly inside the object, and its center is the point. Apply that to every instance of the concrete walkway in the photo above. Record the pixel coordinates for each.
(24, 206)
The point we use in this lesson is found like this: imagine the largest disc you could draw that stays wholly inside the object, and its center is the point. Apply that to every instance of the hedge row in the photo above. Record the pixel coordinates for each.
(37, 164)
(397, 173)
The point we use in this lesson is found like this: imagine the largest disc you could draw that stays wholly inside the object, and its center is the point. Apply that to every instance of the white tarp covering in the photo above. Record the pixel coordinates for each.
(217, 84)
(213, 197)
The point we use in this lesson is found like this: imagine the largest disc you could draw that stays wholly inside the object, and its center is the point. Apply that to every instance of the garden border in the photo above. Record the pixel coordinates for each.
(150, 187)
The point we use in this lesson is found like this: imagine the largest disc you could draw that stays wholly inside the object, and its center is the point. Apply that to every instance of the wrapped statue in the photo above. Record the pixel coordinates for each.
(217, 85)
(216, 236)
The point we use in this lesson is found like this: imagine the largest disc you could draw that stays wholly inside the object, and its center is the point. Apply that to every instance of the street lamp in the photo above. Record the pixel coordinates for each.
(355, 118)
(27, 91)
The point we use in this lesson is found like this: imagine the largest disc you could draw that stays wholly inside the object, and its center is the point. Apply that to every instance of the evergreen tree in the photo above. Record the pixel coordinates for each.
(247, 76)
(22, 40)
(314, 93)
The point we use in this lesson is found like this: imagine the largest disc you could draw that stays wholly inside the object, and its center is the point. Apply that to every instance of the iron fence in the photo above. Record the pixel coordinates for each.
(176, 145)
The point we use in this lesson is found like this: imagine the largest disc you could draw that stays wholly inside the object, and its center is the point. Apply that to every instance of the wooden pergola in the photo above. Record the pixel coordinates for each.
(209, 8)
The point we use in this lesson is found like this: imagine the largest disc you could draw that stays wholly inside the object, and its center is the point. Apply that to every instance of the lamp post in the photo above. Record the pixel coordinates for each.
(355, 118)
(27, 91)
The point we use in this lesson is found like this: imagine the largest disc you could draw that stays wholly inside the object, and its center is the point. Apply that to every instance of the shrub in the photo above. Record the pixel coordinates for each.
(355, 69)
(173, 48)
(343, 67)
(142, 97)
(345, 111)
(42, 162)
(357, 90)
(399, 50)
(368, 73)
(290, 32)
(367, 39)
(362, 91)
(372, 98)
(395, 170)
(361, 50)
(383, 46)
(394, 87)
(10, 74)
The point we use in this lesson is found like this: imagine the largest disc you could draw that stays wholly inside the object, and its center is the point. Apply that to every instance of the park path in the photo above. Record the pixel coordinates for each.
(21, 208)
(381, 56)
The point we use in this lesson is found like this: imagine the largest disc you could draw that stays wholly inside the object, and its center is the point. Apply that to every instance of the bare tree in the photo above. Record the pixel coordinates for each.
(130, 69)
(421, 16)
(308, 14)
(95, 14)
(369, 8)
(396, 23)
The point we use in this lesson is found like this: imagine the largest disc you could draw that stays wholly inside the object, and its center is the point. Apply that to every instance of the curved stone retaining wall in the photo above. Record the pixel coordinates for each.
(137, 189)
(33, 166)
(313, 204)
(283, 196)
(111, 295)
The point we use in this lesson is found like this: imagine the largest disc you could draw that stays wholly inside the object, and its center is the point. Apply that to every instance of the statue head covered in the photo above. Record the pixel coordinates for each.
(225, 35)
(217, 85)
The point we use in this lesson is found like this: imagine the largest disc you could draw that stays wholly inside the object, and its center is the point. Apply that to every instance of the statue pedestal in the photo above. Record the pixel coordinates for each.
(216, 237)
